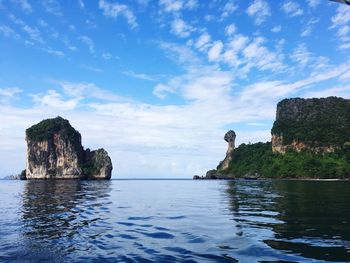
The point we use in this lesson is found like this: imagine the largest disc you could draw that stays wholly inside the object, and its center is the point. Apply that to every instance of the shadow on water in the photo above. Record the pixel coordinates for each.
(308, 219)
(55, 213)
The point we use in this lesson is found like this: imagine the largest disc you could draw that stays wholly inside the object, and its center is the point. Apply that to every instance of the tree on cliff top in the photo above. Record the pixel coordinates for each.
(45, 130)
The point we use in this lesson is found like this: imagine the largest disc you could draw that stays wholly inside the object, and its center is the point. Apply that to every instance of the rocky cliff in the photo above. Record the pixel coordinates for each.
(54, 151)
(318, 125)
(230, 138)
(310, 139)
(98, 164)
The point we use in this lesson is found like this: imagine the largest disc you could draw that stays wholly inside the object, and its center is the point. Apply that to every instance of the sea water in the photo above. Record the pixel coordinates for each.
(174, 221)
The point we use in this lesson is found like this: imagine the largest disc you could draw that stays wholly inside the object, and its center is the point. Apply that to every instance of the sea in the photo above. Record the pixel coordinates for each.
(175, 221)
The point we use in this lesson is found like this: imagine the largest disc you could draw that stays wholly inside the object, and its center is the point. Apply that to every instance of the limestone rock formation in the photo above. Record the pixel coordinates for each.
(54, 151)
(98, 164)
(230, 138)
(310, 139)
(319, 125)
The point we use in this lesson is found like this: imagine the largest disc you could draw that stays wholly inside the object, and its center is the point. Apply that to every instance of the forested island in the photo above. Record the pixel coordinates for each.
(310, 139)
(54, 151)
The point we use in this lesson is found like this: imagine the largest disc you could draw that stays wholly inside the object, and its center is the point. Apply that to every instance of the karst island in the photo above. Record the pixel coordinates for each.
(310, 139)
(54, 151)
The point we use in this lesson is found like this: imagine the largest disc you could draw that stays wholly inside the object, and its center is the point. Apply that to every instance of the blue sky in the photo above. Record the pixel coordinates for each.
(158, 83)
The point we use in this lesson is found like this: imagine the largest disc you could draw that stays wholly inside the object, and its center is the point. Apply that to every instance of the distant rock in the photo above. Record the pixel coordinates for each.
(11, 177)
(98, 165)
(54, 151)
(212, 174)
(251, 176)
(21, 176)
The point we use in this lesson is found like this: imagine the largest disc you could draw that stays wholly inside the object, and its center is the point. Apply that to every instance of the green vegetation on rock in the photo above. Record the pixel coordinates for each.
(45, 130)
(316, 122)
(90, 168)
(322, 125)
(63, 156)
(259, 158)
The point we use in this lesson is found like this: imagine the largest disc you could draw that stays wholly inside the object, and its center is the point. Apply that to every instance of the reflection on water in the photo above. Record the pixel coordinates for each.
(55, 213)
(306, 218)
(174, 221)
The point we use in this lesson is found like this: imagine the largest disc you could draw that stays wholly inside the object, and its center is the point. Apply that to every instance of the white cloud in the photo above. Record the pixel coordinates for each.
(343, 91)
(292, 9)
(345, 76)
(24, 5)
(8, 94)
(259, 10)
(230, 29)
(58, 53)
(272, 90)
(203, 41)
(343, 31)
(115, 9)
(345, 46)
(53, 99)
(143, 3)
(81, 4)
(88, 42)
(340, 22)
(178, 53)
(175, 6)
(307, 30)
(238, 43)
(90, 68)
(162, 90)
(215, 51)
(42, 23)
(8, 31)
(85, 90)
(106, 55)
(341, 17)
(301, 55)
(142, 76)
(52, 6)
(259, 56)
(33, 32)
(191, 4)
(238, 52)
(171, 5)
(73, 96)
(180, 28)
(276, 29)
(313, 3)
(229, 8)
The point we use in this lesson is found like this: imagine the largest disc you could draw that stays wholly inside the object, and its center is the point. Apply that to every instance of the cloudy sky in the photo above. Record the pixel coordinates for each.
(157, 83)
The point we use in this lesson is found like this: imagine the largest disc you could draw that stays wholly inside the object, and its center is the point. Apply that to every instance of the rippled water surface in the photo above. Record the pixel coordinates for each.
(174, 221)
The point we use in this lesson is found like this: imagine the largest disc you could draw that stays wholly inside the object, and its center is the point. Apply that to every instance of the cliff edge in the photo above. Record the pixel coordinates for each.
(54, 151)
(318, 125)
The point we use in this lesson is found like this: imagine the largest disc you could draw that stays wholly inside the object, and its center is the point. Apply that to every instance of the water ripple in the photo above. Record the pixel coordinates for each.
(174, 221)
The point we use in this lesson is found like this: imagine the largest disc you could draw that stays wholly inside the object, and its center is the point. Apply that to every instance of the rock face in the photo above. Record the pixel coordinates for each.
(54, 151)
(230, 138)
(319, 125)
(98, 164)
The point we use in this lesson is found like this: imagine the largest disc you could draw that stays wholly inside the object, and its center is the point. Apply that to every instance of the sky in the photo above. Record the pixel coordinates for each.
(157, 83)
